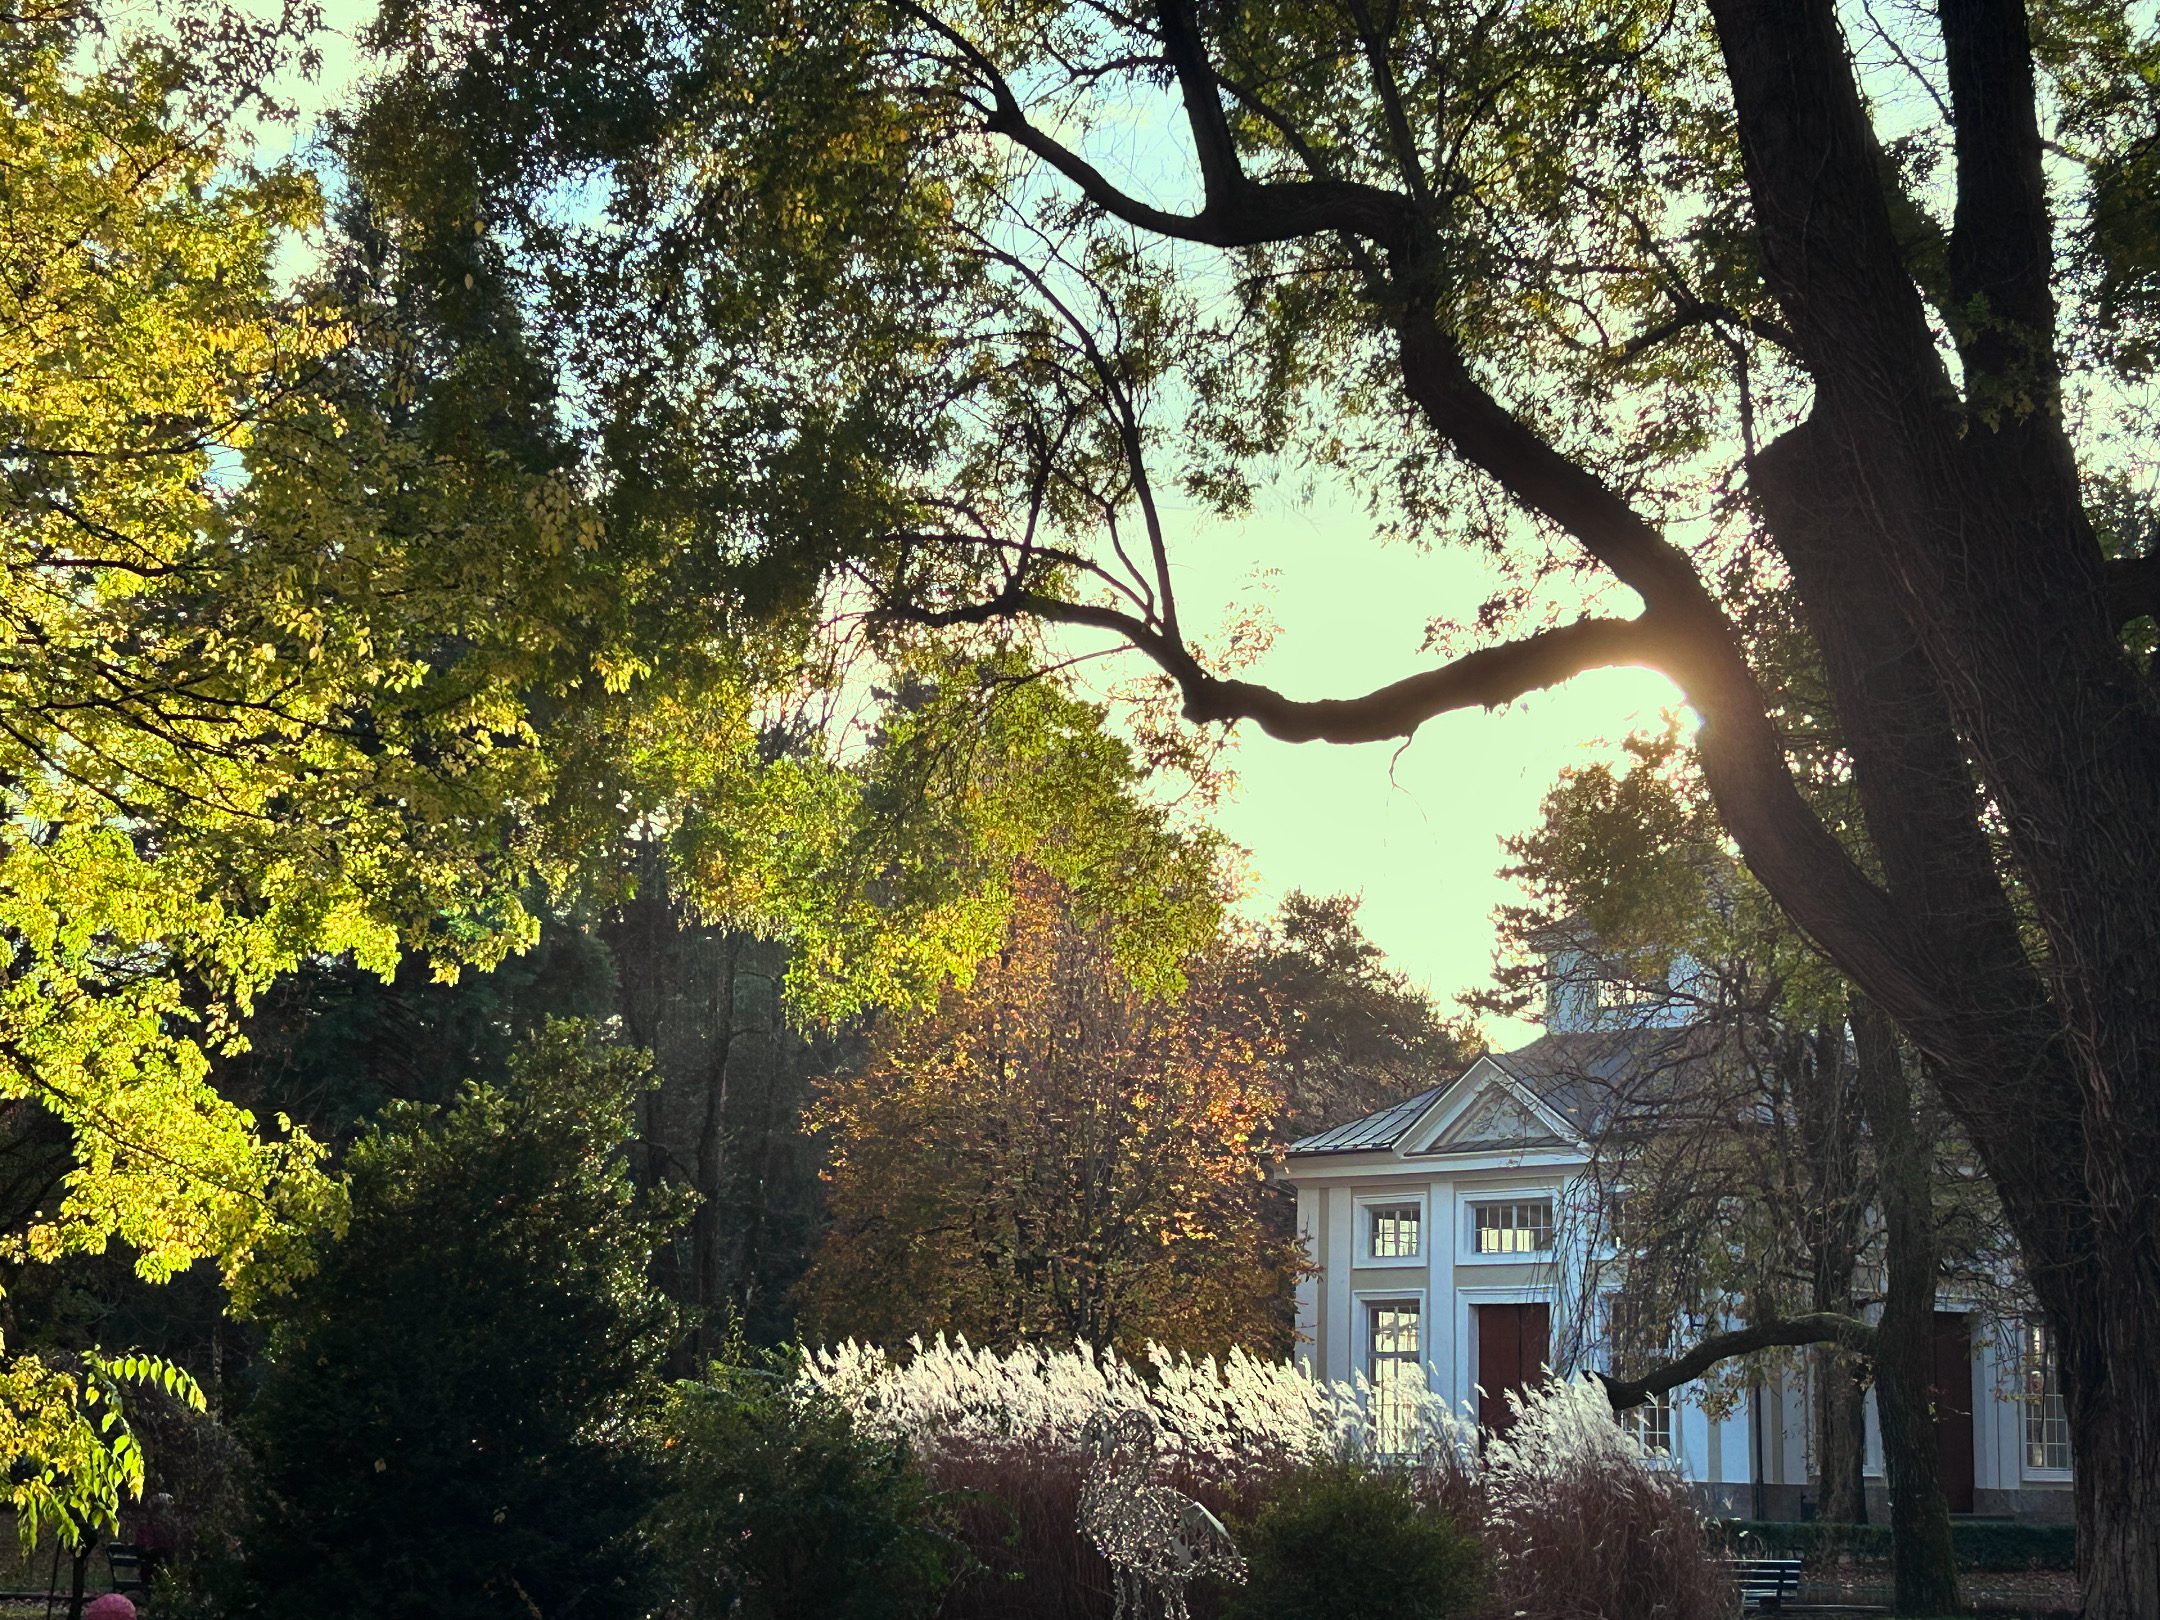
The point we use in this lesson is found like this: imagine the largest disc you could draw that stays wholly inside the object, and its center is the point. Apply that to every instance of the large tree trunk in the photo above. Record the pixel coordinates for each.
(1840, 1437)
(2113, 1434)
(1970, 530)
(1923, 1563)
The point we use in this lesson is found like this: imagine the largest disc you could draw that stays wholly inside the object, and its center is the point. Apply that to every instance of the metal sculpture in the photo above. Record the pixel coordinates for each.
(1155, 1538)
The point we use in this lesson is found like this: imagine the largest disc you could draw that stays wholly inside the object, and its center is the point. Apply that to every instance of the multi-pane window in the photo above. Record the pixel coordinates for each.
(1521, 1227)
(2047, 1424)
(1394, 1231)
(1395, 1369)
(1651, 1424)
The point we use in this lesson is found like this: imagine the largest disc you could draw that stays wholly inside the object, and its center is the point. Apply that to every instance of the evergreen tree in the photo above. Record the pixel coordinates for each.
(446, 1425)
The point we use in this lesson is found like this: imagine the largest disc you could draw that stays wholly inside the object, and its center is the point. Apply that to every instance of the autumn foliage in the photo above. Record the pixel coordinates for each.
(1053, 1153)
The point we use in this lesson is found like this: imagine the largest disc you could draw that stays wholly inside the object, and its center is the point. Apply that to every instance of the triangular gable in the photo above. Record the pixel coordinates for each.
(1489, 1110)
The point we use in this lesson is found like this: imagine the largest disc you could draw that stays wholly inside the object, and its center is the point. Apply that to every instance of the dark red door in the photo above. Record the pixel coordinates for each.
(1952, 1397)
(1513, 1342)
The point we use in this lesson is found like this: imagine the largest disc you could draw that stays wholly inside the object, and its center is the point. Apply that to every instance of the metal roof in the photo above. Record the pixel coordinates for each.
(1381, 1130)
(1593, 1079)
(1588, 1078)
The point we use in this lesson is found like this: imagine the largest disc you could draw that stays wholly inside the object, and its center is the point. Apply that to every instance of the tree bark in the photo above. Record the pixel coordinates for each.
(2114, 1431)
(1840, 1437)
(1835, 1225)
(1923, 1562)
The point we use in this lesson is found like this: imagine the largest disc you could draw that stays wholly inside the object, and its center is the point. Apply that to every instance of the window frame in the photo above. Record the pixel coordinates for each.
(2042, 1408)
(1368, 1303)
(1658, 1412)
(1500, 1198)
(1369, 1205)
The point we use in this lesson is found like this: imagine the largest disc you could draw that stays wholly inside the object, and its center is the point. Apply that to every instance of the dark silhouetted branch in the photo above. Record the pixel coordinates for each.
(1817, 1327)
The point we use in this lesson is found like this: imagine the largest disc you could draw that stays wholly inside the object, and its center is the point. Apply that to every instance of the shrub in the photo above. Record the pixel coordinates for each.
(1017, 1508)
(1340, 1541)
(2015, 1546)
(1582, 1526)
(444, 1427)
(779, 1507)
(1979, 1546)
(999, 1435)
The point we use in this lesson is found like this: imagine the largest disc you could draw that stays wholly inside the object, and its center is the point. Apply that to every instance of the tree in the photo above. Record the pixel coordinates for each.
(318, 653)
(1356, 1034)
(448, 1422)
(1779, 1146)
(1054, 1154)
(1671, 284)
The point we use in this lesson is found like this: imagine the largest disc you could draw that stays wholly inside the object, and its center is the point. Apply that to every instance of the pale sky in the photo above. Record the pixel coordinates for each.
(1415, 833)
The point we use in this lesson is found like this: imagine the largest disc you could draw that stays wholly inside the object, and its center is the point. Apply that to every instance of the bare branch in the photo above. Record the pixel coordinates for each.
(1239, 212)
(1816, 1327)
(1483, 679)
(1691, 312)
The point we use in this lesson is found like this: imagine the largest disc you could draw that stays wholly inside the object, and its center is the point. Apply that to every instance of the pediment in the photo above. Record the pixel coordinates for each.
(1490, 1113)
(1496, 1119)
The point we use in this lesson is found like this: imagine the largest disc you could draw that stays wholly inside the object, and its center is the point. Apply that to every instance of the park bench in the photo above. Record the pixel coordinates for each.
(125, 1560)
(1765, 1583)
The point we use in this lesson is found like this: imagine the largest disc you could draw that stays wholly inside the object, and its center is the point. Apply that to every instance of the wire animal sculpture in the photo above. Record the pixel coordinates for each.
(1155, 1538)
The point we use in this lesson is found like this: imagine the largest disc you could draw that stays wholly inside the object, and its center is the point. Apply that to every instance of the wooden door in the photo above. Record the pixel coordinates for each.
(1951, 1396)
(1513, 1342)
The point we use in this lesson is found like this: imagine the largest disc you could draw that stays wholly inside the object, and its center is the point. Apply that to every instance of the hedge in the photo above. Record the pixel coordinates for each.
(1979, 1545)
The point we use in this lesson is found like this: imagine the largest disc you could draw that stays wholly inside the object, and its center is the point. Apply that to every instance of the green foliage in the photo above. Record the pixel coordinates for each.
(1979, 1545)
(324, 649)
(447, 1420)
(1342, 1542)
(778, 1509)
(893, 874)
(138, 696)
(1632, 859)
(76, 1458)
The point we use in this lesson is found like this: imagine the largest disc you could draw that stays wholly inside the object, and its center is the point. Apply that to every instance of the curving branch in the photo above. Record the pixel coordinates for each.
(1239, 211)
(1690, 313)
(1816, 1327)
(1798, 859)
(1485, 678)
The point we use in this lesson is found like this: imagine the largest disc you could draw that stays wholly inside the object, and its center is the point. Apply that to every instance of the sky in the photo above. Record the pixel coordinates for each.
(1414, 831)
